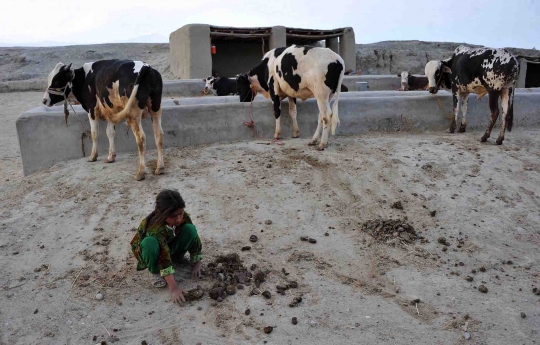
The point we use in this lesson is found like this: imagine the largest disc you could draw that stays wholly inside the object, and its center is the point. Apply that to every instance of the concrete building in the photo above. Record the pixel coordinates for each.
(199, 50)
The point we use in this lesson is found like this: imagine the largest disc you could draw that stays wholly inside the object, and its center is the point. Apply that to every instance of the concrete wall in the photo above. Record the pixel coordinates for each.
(522, 73)
(233, 58)
(193, 87)
(333, 44)
(44, 139)
(278, 38)
(347, 48)
(189, 52)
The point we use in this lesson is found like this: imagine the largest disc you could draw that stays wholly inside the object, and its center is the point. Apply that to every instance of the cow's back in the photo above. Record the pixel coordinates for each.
(304, 67)
(107, 75)
(489, 68)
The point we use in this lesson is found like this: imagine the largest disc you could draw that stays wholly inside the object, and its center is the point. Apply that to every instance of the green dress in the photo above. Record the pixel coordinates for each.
(157, 247)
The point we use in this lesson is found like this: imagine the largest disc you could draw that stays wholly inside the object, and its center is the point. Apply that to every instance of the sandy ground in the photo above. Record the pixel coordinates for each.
(65, 236)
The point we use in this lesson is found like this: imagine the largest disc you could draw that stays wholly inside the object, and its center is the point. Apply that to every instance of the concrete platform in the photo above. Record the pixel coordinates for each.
(45, 140)
(193, 87)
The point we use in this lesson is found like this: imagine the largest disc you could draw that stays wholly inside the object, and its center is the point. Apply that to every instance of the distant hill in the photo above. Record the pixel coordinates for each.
(392, 57)
(35, 63)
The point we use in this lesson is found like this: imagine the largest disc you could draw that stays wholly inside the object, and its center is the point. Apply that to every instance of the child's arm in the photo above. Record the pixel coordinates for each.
(175, 290)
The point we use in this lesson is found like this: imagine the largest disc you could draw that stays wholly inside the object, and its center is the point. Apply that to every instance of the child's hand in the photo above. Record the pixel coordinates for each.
(196, 271)
(177, 295)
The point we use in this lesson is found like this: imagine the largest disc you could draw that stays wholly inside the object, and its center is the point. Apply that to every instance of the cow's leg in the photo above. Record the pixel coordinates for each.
(140, 137)
(324, 115)
(94, 132)
(158, 136)
(277, 113)
(505, 102)
(292, 112)
(455, 99)
(112, 150)
(494, 107)
(464, 100)
(317, 132)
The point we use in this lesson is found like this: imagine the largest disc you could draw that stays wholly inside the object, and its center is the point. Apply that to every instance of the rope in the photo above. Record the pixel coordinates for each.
(251, 122)
(448, 115)
(62, 92)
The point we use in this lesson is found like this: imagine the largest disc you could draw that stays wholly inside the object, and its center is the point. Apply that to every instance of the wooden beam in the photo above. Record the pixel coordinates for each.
(232, 35)
(314, 37)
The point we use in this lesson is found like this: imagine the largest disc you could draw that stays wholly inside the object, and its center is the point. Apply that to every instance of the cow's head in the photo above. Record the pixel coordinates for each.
(404, 80)
(209, 84)
(435, 72)
(59, 84)
(244, 87)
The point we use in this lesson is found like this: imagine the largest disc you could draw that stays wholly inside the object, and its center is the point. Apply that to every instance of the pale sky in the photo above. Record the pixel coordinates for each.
(499, 23)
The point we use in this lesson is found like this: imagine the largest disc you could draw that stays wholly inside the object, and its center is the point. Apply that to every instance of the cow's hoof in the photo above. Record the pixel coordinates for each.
(295, 136)
(159, 171)
(92, 159)
(320, 148)
(499, 141)
(451, 130)
(462, 128)
(312, 143)
(109, 160)
(484, 139)
(277, 137)
(140, 176)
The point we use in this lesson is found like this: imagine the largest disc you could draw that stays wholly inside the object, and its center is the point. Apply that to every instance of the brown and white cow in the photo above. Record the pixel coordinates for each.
(409, 82)
(113, 90)
(481, 71)
(298, 72)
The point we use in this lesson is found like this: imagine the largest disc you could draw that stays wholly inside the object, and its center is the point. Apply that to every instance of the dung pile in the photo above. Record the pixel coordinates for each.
(390, 230)
(230, 274)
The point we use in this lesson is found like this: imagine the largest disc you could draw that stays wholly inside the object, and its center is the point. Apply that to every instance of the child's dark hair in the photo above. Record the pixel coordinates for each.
(167, 202)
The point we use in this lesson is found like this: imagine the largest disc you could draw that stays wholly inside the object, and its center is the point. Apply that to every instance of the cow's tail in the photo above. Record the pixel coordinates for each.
(335, 115)
(116, 118)
(510, 115)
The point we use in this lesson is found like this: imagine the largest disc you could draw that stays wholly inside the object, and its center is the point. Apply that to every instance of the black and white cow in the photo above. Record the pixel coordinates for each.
(298, 72)
(409, 82)
(481, 71)
(220, 86)
(113, 90)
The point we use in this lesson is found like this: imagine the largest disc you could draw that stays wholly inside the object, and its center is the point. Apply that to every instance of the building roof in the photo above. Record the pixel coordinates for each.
(224, 34)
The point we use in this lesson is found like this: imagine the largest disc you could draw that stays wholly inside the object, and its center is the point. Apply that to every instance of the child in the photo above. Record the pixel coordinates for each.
(164, 237)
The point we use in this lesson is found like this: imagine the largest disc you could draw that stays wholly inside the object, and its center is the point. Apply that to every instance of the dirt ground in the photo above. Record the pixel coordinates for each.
(65, 236)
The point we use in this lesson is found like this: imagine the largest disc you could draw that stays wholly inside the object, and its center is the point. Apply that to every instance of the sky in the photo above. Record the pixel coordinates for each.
(497, 23)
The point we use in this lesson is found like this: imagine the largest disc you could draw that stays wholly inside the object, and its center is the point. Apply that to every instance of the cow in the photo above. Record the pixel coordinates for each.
(409, 82)
(481, 71)
(113, 90)
(220, 86)
(298, 72)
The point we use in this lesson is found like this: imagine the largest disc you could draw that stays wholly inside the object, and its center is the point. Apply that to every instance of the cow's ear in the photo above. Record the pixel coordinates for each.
(446, 69)
(69, 66)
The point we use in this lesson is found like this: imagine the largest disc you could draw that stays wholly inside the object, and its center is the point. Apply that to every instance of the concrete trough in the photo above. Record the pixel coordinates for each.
(45, 140)
(193, 87)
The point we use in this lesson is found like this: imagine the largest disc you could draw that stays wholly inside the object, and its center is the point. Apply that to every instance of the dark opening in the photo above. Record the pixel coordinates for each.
(532, 78)
(236, 56)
